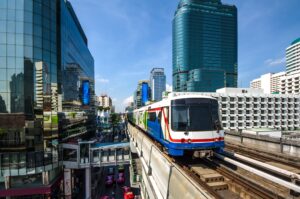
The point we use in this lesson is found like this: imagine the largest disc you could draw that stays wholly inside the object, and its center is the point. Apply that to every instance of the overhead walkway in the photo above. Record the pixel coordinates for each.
(93, 154)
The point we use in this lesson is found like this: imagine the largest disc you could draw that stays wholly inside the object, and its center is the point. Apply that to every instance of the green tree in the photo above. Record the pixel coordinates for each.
(100, 108)
(115, 118)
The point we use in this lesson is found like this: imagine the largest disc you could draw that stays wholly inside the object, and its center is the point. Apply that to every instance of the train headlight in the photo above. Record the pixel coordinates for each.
(189, 141)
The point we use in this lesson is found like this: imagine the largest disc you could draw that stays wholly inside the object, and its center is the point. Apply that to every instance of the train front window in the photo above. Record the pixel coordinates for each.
(194, 114)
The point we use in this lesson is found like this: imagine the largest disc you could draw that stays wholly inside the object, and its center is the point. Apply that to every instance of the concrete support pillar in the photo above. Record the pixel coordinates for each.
(7, 185)
(281, 146)
(7, 182)
(45, 177)
(88, 183)
(67, 184)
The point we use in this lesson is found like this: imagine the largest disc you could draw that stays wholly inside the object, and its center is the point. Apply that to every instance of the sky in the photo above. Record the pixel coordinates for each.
(127, 38)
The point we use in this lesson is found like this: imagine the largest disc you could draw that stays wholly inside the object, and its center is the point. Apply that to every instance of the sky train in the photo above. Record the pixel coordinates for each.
(182, 123)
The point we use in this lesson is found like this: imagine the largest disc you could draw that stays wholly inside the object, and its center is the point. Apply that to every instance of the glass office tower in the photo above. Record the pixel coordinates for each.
(157, 83)
(32, 66)
(204, 46)
(77, 76)
(142, 95)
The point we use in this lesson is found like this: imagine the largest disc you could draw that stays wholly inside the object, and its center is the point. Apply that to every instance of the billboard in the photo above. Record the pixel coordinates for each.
(145, 94)
(85, 92)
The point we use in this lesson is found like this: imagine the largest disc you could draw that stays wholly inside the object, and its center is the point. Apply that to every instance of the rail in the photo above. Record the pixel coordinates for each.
(162, 178)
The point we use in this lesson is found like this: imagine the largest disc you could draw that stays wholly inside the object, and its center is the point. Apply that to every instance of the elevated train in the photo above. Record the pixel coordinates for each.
(182, 123)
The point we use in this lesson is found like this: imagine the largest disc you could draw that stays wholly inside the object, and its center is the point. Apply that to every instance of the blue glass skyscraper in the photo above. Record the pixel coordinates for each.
(204, 46)
(157, 83)
(44, 64)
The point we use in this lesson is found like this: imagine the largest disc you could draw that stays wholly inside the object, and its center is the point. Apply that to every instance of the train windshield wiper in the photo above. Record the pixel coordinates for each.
(188, 124)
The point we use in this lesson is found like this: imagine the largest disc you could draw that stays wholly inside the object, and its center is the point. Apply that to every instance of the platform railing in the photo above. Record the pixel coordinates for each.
(161, 178)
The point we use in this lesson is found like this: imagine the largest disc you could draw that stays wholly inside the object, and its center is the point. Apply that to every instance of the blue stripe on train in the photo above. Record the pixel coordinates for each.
(155, 130)
(177, 149)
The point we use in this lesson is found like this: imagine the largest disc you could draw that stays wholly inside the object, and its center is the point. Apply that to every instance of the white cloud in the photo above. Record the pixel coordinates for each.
(101, 79)
(275, 62)
(128, 100)
(114, 99)
(169, 88)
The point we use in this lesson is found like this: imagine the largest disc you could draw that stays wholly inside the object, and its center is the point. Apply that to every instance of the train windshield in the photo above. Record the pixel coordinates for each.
(195, 114)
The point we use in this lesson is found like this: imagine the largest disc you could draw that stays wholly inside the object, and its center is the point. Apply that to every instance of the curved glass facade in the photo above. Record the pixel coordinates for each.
(41, 45)
(204, 46)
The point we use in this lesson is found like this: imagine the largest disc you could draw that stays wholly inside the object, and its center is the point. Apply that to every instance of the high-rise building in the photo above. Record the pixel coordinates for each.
(204, 46)
(104, 101)
(293, 58)
(40, 41)
(269, 82)
(290, 83)
(157, 83)
(142, 94)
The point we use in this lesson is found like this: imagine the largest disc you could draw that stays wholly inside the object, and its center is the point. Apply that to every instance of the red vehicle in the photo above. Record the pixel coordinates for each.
(109, 180)
(121, 178)
(128, 194)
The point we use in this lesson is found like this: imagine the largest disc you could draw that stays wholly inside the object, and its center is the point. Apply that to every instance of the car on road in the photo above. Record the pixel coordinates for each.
(128, 194)
(109, 180)
(121, 178)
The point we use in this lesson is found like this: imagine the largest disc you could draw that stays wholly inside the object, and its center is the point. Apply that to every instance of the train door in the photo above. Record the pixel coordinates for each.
(216, 121)
(159, 122)
(165, 121)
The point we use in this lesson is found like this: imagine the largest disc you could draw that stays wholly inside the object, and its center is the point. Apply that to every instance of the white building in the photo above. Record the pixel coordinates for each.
(293, 58)
(252, 108)
(269, 82)
(290, 84)
(104, 101)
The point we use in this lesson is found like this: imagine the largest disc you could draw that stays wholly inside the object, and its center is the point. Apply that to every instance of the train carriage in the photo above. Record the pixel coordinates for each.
(182, 122)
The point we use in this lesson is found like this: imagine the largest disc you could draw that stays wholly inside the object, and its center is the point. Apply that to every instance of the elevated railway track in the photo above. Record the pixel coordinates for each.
(226, 176)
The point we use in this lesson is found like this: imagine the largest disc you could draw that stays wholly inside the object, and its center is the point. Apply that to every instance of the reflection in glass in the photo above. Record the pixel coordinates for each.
(3, 86)
(2, 104)
(2, 62)
(3, 50)
(19, 52)
(11, 39)
(11, 26)
(11, 4)
(2, 38)
(11, 15)
(28, 52)
(28, 40)
(2, 74)
(3, 26)
(19, 15)
(3, 14)
(20, 27)
(11, 50)
(11, 62)
(17, 96)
